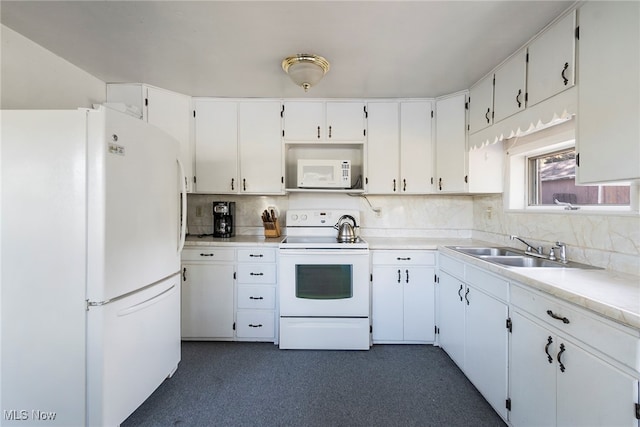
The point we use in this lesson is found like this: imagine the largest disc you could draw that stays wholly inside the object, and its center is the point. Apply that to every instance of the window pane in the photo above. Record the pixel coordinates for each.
(553, 175)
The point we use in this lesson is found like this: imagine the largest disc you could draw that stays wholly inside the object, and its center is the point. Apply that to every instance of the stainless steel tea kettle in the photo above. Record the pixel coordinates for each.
(346, 231)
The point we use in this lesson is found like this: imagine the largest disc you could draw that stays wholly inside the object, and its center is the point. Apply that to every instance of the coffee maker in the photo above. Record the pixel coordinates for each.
(223, 213)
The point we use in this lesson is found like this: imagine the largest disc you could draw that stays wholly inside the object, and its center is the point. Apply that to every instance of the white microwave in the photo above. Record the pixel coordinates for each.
(313, 173)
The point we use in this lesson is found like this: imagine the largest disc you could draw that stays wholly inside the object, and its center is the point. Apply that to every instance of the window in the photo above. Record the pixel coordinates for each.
(552, 181)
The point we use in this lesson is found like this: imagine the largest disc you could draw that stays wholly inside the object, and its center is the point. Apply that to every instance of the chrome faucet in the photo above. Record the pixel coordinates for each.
(537, 252)
(563, 252)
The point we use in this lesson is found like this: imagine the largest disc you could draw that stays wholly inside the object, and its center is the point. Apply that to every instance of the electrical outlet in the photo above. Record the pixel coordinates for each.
(198, 211)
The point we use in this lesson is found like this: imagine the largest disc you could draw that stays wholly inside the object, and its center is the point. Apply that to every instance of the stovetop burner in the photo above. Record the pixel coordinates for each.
(314, 229)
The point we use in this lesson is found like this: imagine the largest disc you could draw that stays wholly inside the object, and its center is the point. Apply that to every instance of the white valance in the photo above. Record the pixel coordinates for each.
(552, 111)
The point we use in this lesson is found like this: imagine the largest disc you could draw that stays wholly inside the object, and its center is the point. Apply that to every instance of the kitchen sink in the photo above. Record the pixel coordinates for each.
(487, 251)
(510, 257)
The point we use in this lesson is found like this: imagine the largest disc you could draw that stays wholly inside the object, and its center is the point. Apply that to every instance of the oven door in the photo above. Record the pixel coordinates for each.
(324, 283)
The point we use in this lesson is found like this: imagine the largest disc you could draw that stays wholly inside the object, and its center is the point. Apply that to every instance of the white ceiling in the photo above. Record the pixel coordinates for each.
(235, 48)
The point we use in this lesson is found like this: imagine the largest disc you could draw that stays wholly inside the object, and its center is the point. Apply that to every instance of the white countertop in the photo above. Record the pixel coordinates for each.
(194, 240)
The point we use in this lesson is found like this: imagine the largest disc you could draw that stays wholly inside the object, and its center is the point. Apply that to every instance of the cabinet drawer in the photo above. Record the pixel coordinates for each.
(487, 282)
(255, 324)
(256, 297)
(452, 266)
(607, 337)
(204, 253)
(256, 255)
(256, 273)
(403, 257)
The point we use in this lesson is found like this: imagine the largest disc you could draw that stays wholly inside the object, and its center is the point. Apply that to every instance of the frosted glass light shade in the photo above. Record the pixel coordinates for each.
(305, 70)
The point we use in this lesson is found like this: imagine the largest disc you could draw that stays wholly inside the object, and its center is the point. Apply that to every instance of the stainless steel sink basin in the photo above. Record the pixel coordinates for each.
(487, 251)
(510, 257)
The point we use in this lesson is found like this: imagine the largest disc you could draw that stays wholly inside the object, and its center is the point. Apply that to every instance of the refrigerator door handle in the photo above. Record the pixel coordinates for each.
(183, 216)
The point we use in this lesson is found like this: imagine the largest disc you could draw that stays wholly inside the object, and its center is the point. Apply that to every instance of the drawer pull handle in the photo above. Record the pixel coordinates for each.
(562, 350)
(256, 298)
(466, 296)
(251, 325)
(403, 259)
(256, 256)
(207, 254)
(555, 316)
(546, 349)
(460, 292)
(256, 274)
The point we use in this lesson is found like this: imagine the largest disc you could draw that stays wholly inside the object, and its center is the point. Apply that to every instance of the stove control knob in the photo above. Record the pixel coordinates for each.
(304, 217)
(294, 217)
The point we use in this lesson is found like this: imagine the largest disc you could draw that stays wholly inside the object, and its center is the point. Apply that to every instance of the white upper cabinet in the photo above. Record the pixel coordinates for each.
(383, 147)
(608, 134)
(216, 137)
(321, 121)
(551, 67)
(168, 111)
(510, 86)
(481, 104)
(238, 147)
(451, 144)
(416, 147)
(260, 147)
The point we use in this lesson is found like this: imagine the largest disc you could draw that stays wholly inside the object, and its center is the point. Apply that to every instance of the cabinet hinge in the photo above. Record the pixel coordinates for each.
(366, 180)
(371, 277)
(578, 159)
(370, 329)
(431, 180)
(526, 59)
(364, 132)
(436, 279)
(526, 97)
(508, 404)
(466, 105)
(432, 114)
(468, 127)
(234, 326)
(146, 102)
(436, 330)
(577, 33)
(282, 111)
(194, 179)
(194, 113)
(466, 179)
(509, 324)
(282, 180)
(366, 113)
(494, 79)
(234, 275)
(637, 411)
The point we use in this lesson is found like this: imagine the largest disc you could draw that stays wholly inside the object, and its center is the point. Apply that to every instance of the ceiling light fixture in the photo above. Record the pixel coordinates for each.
(305, 69)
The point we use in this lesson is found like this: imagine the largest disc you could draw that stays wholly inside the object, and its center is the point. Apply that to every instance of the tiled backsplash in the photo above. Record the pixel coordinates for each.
(609, 241)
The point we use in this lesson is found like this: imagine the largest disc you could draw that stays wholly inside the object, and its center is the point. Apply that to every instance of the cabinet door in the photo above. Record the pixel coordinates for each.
(608, 107)
(304, 121)
(451, 317)
(207, 301)
(260, 147)
(416, 147)
(216, 136)
(509, 90)
(481, 104)
(451, 144)
(171, 112)
(485, 356)
(551, 61)
(383, 147)
(345, 121)
(532, 374)
(419, 304)
(592, 392)
(387, 304)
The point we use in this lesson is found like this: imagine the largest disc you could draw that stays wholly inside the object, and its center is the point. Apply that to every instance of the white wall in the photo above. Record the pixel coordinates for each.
(34, 78)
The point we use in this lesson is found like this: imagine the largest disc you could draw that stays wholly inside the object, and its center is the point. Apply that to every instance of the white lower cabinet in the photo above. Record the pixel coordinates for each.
(256, 294)
(557, 379)
(229, 294)
(403, 299)
(207, 294)
(473, 325)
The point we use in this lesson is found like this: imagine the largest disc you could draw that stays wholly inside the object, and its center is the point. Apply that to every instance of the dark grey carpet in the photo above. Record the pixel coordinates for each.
(256, 384)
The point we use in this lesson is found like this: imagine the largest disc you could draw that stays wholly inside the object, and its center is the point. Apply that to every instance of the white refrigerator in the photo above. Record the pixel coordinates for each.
(92, 229)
